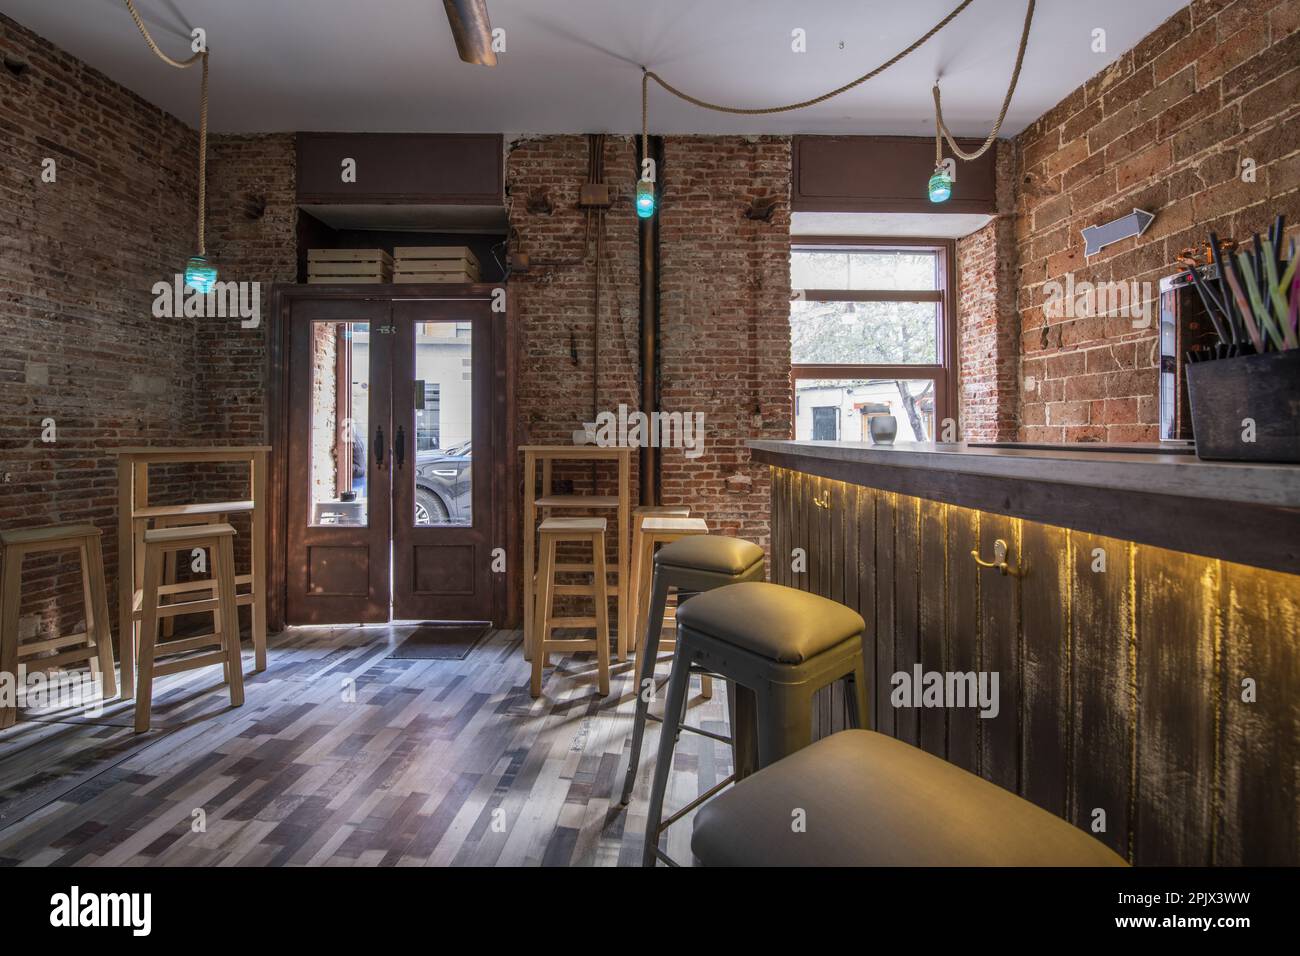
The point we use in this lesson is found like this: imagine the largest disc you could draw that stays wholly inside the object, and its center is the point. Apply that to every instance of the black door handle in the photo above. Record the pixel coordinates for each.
(379, 446)
(399, 447)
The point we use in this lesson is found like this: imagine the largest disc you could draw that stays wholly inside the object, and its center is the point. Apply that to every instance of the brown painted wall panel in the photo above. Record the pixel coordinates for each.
(461, 168)
(883, 174)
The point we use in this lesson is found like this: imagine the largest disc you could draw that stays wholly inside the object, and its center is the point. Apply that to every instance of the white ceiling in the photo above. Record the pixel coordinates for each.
(573, 65)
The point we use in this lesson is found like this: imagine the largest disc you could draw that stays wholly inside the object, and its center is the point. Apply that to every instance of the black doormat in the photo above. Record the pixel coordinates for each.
(440, 642)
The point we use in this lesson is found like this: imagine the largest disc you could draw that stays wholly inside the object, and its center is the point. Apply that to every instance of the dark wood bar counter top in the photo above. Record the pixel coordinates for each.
(1246, 513)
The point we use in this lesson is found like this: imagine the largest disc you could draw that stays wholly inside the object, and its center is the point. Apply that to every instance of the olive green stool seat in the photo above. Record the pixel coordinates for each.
(865, 799)
(779, 646)
(692, 564)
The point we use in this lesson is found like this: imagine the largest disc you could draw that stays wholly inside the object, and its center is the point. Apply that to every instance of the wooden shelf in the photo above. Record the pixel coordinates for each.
(577, 501)
(207, 508)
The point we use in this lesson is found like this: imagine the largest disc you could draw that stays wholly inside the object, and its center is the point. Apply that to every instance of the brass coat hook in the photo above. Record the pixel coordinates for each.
(999, 561)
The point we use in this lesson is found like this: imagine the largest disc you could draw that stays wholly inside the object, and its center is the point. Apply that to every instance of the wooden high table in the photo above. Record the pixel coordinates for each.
(621, 503)
(134, 513)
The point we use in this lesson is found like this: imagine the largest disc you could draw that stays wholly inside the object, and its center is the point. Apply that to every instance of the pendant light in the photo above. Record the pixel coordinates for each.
(940, 184)
(200, 273)
(646, 201)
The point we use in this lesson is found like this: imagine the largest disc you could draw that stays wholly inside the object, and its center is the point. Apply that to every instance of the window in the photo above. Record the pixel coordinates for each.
(871, 330)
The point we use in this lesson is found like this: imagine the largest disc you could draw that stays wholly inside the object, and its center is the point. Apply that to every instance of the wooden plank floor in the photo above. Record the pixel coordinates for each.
(343, 757)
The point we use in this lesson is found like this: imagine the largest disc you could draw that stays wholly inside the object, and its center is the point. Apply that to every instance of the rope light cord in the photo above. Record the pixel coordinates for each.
(742, 111)
(203, 114)
(941, 129)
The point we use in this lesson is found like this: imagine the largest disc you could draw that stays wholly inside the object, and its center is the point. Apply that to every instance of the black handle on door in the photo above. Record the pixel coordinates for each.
(379, 446)
(399, 447)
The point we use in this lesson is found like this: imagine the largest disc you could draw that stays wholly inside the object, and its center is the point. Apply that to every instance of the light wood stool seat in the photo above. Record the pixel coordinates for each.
(95, 645)
(187, 516)
(552, 532)
(627, 642)
(655, 530)
(218, 539)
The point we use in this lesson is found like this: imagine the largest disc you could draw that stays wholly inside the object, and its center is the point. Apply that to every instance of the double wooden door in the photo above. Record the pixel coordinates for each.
(391, 470)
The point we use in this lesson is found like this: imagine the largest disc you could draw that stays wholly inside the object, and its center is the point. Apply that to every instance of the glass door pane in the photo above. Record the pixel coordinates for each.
(443, 457)
(340, 423)
(443, 424)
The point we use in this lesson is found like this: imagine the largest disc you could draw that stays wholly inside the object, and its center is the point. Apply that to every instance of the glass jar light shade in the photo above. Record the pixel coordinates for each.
(645, 199)
(200, 274)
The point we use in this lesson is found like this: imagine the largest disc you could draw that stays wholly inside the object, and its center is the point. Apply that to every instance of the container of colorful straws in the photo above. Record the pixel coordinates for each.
(1244, 391)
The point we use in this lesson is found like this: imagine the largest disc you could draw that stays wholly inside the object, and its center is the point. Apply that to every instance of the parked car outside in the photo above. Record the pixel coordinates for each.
(443, 483)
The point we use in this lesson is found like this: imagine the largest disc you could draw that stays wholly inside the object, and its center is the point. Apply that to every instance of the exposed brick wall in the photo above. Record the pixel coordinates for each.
(81, 346)
(246, 247)
(1165, 128)
(724, 309)
(245, 174)
(988, 340)
(725, 320)
(555, 300)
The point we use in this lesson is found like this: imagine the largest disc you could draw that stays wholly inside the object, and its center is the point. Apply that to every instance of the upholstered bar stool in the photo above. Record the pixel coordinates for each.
(627, 642)
(781, 644)
(218, 539)
(871, 800)
(690, 564)
(551, 533)
(93, 647)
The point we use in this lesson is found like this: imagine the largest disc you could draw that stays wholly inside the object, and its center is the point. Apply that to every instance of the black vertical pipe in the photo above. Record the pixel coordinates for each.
(648, 459)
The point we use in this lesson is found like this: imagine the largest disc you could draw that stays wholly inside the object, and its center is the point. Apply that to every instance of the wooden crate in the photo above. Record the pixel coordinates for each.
(325, 266)
(436, 264)
(434, 277)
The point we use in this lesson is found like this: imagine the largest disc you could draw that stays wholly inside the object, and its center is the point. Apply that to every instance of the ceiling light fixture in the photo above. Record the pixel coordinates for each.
(940, 186)
(645, 186)
(200, 274)
(645, 196)
(471, 30)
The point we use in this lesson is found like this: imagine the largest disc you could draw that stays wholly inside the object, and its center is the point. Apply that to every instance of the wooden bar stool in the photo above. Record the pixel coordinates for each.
(657, 530)
(627, 642)
(170, 563)
(552, 532)
(218, 538)
(96, 644)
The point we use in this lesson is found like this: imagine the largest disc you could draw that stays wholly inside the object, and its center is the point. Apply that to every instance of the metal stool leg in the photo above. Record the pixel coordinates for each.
(677, 687)
(647, 651)
(784, 722)
(857, 695)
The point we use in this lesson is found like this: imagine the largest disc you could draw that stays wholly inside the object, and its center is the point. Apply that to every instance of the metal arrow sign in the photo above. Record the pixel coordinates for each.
(1097, 237)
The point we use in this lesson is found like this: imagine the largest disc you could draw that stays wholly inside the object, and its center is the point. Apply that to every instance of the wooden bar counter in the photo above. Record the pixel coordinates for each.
(1144, 624)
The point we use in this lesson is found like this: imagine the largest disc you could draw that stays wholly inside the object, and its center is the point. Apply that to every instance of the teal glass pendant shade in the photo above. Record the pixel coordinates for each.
(645, 199)
(940, 185)
(200, 275)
